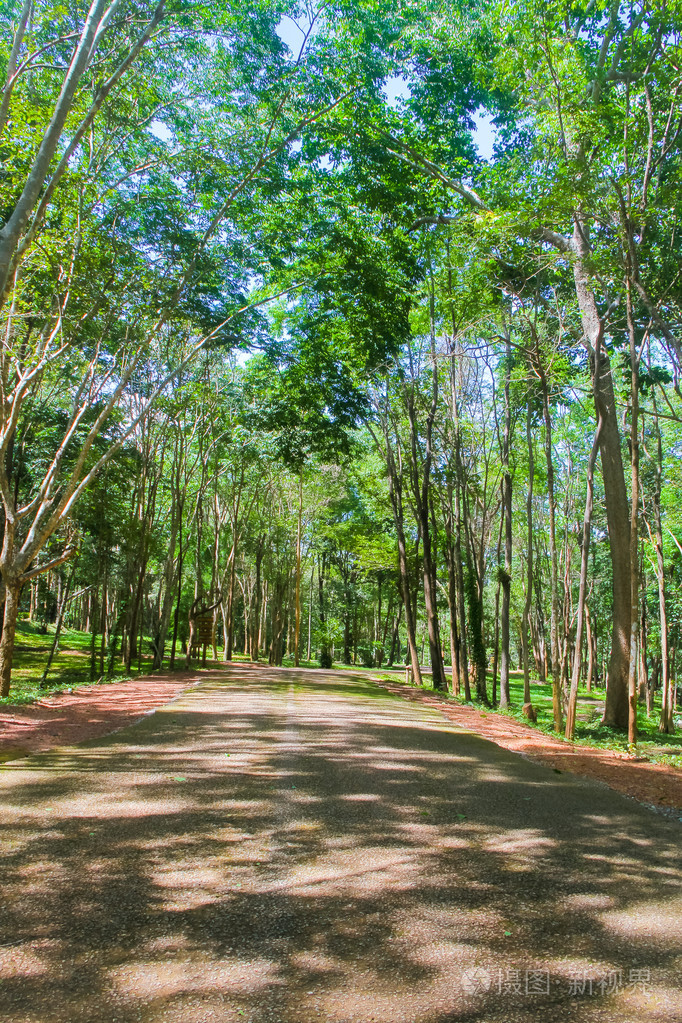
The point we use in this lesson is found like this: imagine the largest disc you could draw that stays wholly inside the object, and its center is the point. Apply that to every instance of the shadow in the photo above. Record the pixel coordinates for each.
(292, 846)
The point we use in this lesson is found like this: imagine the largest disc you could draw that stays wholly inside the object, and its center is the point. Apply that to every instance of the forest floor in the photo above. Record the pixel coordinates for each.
(282, 846)
(76, 663)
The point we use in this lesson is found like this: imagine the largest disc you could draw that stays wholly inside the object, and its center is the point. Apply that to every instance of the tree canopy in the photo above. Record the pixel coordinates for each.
(282, 348)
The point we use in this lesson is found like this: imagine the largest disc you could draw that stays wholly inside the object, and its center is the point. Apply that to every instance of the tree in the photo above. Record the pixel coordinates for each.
(70, 315)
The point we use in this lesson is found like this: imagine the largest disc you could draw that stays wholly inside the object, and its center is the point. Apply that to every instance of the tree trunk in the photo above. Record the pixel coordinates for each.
(167, 603)
(452, 600)
(525, 626)
(667, 724)
(590, 650)
(60, 621)
(496, 641)
(475, 608)
(276, 646)
(9, 626)
(404, 568)
(421, 489)
(310, 615)
(347, 613)
(176, 620)
(325, 655)
(297, 633)
(616, 712)
(634, 519)
(258, 598)
(643, 676)
(431, 607)
(505, 575)
(230, 604)
(395, 638)
(554, 561)
(96, 615)
(587, 522)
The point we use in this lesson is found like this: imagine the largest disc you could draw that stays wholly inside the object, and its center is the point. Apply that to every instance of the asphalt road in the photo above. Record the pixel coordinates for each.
(302, 846)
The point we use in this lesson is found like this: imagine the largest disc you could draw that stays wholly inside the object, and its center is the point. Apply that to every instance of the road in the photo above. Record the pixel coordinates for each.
(285, 847)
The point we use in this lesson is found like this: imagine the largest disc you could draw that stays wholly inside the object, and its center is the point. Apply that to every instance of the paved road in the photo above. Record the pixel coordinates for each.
(300, 846)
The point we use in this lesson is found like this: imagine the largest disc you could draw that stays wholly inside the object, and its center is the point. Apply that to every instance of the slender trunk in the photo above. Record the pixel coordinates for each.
(135, 615)
(348, 614)
(554, 560)
(505, 575)
(452, 600)
(325, 654)
(667, 723)
(59, 623)
(230, 604)
(590, 650)
(387, 622)
(395, 638)
(410, 625)
(96, 615)
(223, 617)
(263, 621)
(421, 489)
(258, 599)
(475, 608)
(554, 557)
(634, 519)
(496, 641)
(176, 621)
(276, 646)
(167, 603)
(643, 676)
(104, 618)
(525, 626)
(310, 615)
(582, 592)
(404, 567)
(247, 619)
(297, 632)
(431, 607)
(378, 647)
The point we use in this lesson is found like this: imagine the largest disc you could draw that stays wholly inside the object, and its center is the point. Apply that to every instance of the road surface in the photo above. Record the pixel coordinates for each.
(286, 847)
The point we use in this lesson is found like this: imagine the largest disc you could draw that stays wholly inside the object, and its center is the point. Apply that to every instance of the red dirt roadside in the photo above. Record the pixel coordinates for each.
(655, 784)
(87, 713)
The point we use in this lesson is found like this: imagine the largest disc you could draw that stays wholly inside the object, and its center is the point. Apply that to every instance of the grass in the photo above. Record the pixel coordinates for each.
(652, 744)
(70, 666)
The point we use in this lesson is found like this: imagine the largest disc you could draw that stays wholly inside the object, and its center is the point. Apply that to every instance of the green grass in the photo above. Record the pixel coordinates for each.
(652, 744)
(70, 666)
(590, 732)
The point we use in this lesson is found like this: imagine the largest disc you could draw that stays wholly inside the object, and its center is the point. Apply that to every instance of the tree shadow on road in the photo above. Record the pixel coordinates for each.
(287, 849)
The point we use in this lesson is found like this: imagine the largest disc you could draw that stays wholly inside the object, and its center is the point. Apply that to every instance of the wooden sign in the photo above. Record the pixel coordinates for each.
(204, 630)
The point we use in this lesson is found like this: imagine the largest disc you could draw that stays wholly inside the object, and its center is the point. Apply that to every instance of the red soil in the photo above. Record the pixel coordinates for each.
(87, 713)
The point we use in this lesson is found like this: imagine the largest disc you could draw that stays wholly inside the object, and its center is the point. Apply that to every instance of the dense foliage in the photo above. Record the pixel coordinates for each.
(282, 349)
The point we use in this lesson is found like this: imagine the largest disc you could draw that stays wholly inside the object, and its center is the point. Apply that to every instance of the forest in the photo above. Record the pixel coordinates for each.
(353, 325)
